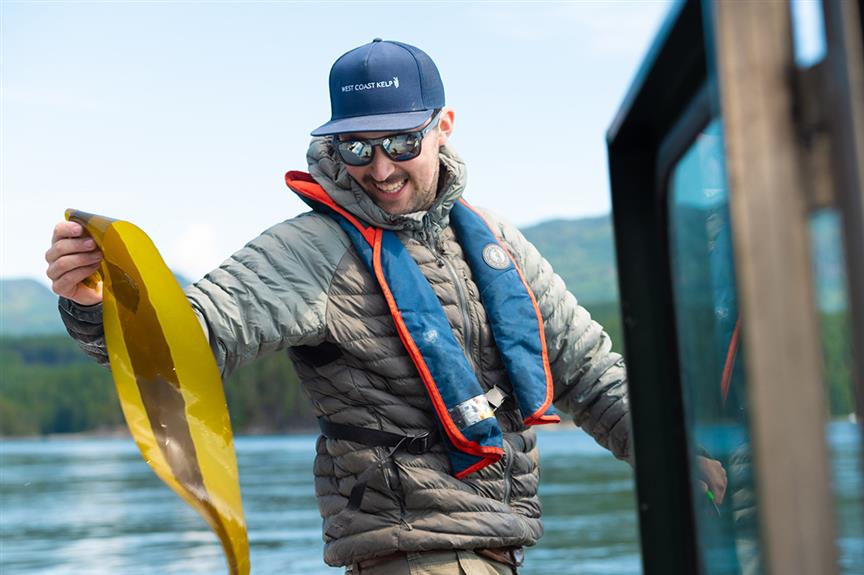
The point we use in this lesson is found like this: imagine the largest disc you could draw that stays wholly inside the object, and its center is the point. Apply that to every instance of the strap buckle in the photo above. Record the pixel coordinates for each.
(418, 444)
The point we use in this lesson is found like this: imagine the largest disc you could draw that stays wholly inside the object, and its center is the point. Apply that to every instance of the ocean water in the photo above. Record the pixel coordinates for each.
(93, 506)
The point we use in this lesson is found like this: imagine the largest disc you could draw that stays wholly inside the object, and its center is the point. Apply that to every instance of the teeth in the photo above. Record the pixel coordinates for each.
(390, 188)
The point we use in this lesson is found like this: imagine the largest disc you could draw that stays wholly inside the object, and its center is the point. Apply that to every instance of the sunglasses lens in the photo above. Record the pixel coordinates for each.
(398, 148)
(355, 152)
(402, 147)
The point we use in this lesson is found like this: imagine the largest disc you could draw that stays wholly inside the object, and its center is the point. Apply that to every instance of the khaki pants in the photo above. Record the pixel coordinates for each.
(438, 563)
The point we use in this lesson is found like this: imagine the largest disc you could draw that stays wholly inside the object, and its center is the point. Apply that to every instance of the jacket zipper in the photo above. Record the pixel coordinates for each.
(460, 292)
(443, 261)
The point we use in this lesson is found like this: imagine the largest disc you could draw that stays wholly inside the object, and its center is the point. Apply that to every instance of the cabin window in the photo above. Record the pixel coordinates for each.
(710, 353)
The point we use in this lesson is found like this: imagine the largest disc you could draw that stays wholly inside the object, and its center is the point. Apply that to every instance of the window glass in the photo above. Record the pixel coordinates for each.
(711, 355)
(712, 363)
(808, 32)
(844, 436)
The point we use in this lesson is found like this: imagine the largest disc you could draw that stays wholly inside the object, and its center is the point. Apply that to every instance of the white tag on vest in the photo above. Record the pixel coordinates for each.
(471, 411)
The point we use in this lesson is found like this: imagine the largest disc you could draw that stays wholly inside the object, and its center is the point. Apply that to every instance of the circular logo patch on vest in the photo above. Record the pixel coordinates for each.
(495, 257)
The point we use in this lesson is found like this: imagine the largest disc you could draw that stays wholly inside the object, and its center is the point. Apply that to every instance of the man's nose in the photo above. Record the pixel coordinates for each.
(381, 166)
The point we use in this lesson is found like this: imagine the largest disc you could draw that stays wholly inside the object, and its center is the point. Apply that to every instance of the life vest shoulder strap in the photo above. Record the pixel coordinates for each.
(318, 199)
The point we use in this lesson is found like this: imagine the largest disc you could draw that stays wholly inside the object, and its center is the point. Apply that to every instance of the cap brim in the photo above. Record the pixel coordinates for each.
(378, 123)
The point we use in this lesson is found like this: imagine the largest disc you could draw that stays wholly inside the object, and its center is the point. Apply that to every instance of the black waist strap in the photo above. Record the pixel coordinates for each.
(415, 444)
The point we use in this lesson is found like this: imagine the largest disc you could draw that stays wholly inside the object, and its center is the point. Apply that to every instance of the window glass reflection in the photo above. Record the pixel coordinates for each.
(843, 434)
(712, 361)
(711, 355)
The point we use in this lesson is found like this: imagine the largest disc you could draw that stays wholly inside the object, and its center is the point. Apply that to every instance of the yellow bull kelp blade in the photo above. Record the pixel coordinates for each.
(167, 380)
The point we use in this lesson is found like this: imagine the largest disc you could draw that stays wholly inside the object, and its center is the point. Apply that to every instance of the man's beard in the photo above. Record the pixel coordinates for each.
(423, 198)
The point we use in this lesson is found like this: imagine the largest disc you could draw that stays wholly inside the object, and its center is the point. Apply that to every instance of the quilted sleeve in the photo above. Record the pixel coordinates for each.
(270, 295)
(589, 378)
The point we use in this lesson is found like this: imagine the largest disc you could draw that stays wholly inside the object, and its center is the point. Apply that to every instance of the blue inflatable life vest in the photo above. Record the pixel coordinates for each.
(464, 414)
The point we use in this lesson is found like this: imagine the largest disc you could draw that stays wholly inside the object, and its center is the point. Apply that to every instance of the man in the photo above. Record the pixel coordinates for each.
(429, 336)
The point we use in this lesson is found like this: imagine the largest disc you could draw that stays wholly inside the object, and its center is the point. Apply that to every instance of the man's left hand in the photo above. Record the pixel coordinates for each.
(712, 476)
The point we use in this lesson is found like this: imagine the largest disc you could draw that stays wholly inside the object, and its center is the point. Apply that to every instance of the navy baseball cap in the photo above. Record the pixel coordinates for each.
(382, 86)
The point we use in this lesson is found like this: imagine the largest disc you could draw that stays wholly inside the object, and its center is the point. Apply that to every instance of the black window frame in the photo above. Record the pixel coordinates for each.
(671, 100)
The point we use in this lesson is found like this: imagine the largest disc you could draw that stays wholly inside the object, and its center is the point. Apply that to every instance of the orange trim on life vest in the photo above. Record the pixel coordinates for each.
(305, 185)
(543, 420)
(453, 432)
(477, 466)
(538, 415)
(730, 361)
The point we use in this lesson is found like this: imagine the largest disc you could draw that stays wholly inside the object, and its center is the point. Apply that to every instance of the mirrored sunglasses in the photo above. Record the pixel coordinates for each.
(398, 147)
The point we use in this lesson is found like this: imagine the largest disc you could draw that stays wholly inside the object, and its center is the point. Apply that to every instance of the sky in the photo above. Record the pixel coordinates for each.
(182, 117)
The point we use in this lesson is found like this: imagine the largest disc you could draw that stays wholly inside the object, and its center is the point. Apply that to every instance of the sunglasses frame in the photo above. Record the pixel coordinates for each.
(379, 142)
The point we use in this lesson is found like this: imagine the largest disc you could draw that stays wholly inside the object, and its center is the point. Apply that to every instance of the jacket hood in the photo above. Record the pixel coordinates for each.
(329, 171)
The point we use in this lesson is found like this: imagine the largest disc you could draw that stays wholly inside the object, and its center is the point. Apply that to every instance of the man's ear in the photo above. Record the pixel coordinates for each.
(445, 125)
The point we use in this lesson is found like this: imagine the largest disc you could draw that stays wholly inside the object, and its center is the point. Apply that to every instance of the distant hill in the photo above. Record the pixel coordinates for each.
(582, 252)
(27, 307)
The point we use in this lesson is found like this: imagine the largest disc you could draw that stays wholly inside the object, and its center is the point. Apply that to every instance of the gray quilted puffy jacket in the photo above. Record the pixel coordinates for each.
(301, 287)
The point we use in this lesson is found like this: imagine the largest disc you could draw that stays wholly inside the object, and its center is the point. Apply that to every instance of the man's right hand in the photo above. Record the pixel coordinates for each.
(72, 258)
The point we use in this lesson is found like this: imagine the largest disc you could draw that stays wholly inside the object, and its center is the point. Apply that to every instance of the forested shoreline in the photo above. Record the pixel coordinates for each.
(48, 385)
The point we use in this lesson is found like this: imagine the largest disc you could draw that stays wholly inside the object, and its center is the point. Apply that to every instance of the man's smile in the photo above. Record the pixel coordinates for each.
(391, 186)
